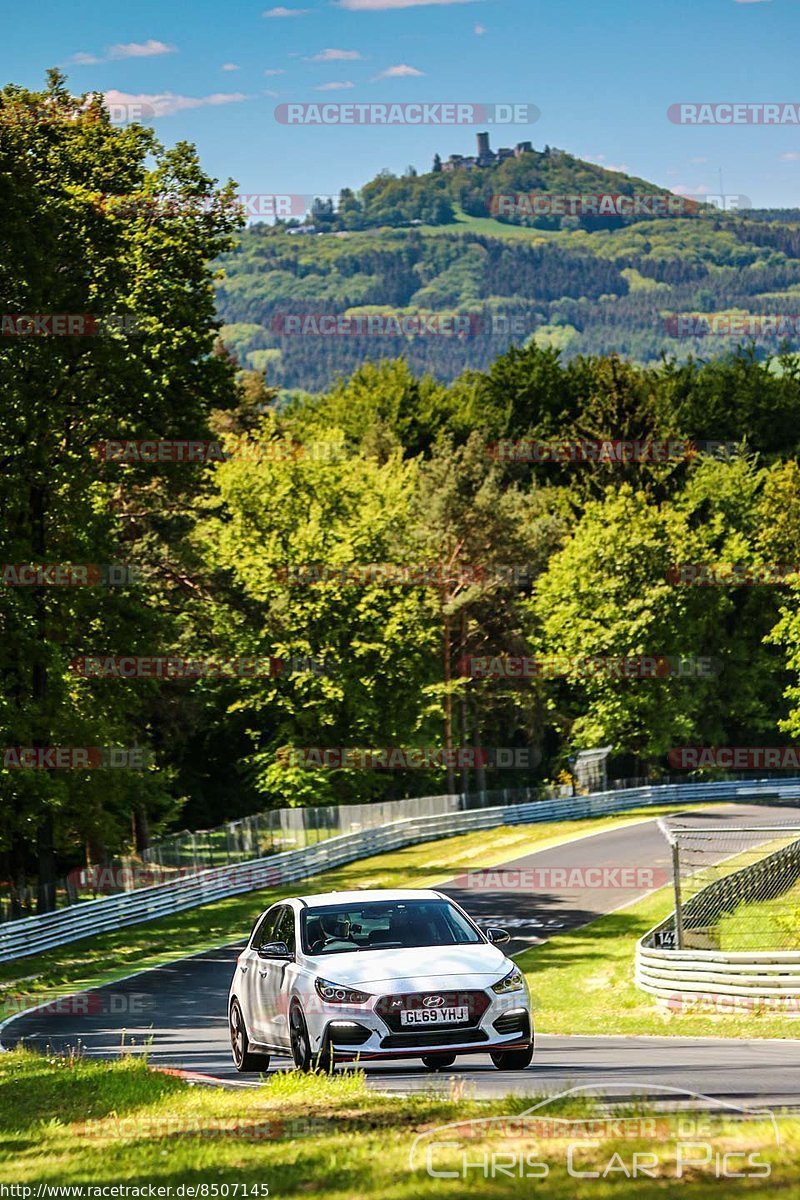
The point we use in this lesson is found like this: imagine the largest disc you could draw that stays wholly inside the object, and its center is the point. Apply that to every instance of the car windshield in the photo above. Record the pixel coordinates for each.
(397, 924)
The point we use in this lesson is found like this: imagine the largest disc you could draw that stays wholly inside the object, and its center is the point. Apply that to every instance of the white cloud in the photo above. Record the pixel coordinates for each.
(401, 71)
(681, 189)
(480, 30)
(381, 5)
(335, 85)
(230, 67)
(270, 92)
(82, 59)
(791, 156)
(148, 49)
(275, 71)
(698, 159)
(335, 56)
(623, 168)
(165, 104)
(285, 12)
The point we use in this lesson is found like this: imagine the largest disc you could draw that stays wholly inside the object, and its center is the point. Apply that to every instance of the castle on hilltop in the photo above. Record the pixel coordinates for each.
(486, 157)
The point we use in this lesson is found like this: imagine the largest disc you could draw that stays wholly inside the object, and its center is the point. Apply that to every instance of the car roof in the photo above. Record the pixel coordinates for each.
(366, 895)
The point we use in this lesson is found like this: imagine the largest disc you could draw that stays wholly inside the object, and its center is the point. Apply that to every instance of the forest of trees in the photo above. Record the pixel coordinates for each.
(581, 291)
(253, 556)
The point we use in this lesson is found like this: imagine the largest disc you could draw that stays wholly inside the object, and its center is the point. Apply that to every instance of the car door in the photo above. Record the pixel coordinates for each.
(274, 977)
(248, 972)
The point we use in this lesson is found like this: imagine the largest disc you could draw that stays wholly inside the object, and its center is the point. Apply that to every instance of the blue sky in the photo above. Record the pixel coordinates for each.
(602, 74)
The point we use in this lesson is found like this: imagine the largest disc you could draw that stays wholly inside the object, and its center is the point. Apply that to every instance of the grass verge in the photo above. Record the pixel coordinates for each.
(76, 1122)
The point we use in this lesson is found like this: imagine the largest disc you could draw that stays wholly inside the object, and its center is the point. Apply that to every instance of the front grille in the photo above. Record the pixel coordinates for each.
(513, 1022)
(460, 1036)
(388, 1009)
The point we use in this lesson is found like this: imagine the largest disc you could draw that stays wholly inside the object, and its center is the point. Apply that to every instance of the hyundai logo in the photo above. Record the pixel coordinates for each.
(433, 1002)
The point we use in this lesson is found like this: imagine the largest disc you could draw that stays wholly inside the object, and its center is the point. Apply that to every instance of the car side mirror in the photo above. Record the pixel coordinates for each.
(498, 937)
(277, 950)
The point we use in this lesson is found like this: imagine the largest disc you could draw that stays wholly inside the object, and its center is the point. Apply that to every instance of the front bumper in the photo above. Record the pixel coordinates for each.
(370, 1032)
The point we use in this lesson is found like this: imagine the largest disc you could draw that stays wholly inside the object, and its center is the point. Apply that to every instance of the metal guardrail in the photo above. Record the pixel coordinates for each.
(686, 976)
(269, 832)
(31, 935)
(264, 833)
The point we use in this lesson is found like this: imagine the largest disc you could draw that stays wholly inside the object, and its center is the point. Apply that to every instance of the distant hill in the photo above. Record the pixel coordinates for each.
(435, 198)
(503, 255)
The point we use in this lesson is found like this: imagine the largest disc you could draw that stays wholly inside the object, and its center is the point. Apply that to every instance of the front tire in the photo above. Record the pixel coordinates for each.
(304, 1059)
(244, 1059)
(438, 1062)
(512, 1060)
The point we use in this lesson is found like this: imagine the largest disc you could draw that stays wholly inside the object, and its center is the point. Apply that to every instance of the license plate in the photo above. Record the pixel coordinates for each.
(434, 1016)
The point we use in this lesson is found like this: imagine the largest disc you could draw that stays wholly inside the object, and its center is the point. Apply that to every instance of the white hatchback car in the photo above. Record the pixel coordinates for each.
(373, 975)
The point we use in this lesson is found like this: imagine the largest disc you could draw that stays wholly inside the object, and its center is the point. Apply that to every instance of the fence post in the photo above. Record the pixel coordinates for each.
(676, 879)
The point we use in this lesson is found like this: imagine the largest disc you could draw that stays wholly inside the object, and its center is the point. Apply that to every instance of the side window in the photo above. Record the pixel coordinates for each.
(264, 930)
(284, 930)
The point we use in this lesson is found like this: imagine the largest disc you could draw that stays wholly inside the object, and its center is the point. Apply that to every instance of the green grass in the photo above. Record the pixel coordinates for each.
(767, 925)
(77, 1122)
(105, 958)
(464, 223)
(582, 983)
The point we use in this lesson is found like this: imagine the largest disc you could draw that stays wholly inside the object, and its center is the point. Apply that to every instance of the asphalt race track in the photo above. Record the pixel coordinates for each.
(177, 1013)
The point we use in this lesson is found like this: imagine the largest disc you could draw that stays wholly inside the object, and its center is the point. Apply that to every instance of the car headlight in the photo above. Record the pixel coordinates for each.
(514, 981)
(337, 993)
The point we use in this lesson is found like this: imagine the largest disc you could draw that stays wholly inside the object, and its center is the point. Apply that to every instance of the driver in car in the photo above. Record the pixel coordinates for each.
(332, 928)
